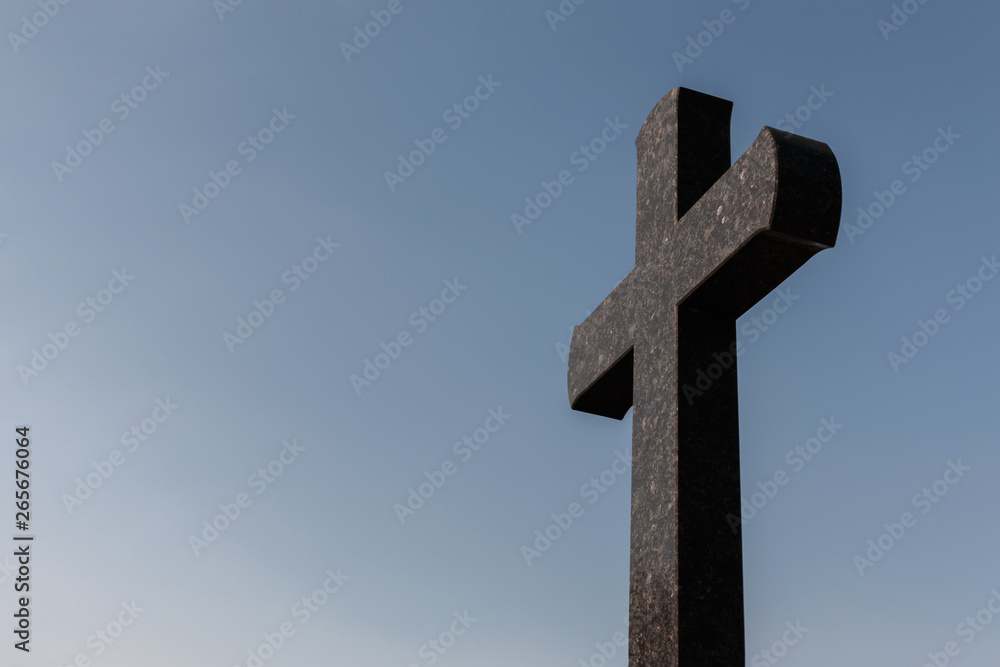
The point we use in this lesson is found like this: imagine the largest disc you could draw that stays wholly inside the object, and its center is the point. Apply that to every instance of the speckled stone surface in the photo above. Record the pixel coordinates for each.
(712, 239)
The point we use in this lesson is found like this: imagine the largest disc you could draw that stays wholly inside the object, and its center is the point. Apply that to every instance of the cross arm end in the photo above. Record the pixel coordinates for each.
(599, 379)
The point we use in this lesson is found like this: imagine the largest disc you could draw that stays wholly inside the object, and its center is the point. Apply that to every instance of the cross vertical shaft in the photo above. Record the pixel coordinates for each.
(686, 582)
(683, 149)
(711, 240)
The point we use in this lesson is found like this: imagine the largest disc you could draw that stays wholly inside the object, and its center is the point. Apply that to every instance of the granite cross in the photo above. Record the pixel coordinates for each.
(712, 238)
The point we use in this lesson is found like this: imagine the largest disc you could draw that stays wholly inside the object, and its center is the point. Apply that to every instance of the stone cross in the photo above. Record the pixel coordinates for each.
(711, 239)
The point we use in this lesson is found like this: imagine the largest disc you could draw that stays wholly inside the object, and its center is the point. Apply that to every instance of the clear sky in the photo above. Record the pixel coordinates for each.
(202, 246)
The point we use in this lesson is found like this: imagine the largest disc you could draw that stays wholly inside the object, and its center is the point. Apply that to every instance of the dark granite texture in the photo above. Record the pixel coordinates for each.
(712, 239)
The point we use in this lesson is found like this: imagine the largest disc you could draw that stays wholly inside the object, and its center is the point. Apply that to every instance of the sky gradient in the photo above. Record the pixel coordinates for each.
(202, 246)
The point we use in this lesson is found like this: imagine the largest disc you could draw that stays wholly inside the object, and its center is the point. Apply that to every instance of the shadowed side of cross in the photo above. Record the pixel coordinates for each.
(712, 239)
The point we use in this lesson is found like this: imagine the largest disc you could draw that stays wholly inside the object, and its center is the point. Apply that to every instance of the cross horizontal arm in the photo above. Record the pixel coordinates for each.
(778, 205)
(600, 356)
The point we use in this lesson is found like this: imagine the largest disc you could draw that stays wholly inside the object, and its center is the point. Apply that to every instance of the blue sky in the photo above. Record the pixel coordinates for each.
(221, 177)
